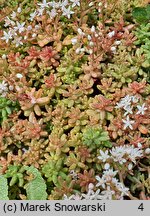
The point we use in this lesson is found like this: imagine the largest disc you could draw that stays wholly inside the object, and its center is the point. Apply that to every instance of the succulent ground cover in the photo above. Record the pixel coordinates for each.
(75, 99)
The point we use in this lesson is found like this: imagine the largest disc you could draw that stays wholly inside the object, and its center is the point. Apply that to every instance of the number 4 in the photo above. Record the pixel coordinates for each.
(141, 207)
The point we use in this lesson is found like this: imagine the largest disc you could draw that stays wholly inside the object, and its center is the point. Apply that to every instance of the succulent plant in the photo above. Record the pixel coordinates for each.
(142, 33)
(63, 187)
(16, 174)
(33, 101)
(96, 137)
(53, 169)
(33, 186)
(141, 14)
(74, 99)
(7, 107)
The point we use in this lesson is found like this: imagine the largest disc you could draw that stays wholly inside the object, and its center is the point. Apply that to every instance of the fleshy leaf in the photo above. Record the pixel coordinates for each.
(140, 14)
(148, 11)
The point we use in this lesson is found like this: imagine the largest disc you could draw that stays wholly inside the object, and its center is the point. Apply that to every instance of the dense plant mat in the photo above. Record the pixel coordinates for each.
(74, 99)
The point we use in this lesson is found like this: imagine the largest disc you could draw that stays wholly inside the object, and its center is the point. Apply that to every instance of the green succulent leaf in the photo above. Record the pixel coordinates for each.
(148, 11)
(96, 137)
(13, 180)
(108, 144)
(141, 14)
(6, 108)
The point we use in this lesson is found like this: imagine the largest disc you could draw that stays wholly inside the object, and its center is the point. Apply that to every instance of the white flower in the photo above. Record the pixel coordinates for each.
(18, 41)
(77, 50)
(89, 37)
(4, 56)
(19, 9)
(19, 27)
(13, 32)
(75, 3)
(13, 15)
(52, 13)
(29, 28)
(128, 110)
(24, 150)
(54, 4)
(74, 174)
(90, 51)
(74, 41)
(141, 109)
(107, 166)
(134, 153)
(18, 75)
(130, 166)
(119, 105)
(3, 87)
(99, 10)
(80, 31)
(107, 194)
(67, 12)
(139, 145)
(8, 22)
(128, 123)
(111, 34)
(7, 36)
(33, 15)
(128, 151)
(40, 11)
(114, 181)
(91, 4)
(11, 87)
(134, 99)
(113, 49)
(64, 4)
(91, 195)
(93, 29)
(72, 197)
(82, 50)
(91, 43)
(147, 151)
(91, 186)
(34, 35)
(117, 154)
(101, 181)
(37, 27)
(44, 4)
(118, 42)
(124, 190)
(109, 174)
(104, 155)
(124, 102)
